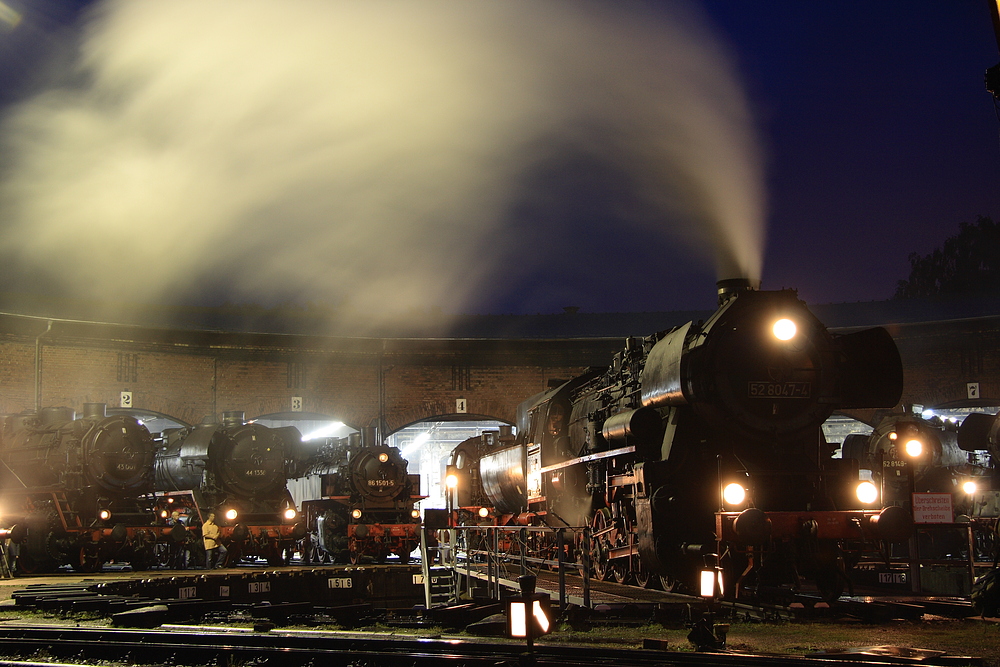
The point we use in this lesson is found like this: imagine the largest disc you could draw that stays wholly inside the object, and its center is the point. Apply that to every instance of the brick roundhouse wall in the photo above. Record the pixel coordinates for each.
(190, 375)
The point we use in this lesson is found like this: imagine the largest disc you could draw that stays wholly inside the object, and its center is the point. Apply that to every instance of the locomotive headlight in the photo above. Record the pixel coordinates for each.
(383, 457)
(290, 513)
(914, 448)
(866, 492)
(484, 512)
(784, 329)
(451, 477)
(356, 514)
(231, 515)
(970, 487)
(734, 494)
(164, 514)
(415, 514)
(104, 515)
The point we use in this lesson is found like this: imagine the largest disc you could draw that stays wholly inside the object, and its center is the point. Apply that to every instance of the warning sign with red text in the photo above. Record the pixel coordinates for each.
(932, 508)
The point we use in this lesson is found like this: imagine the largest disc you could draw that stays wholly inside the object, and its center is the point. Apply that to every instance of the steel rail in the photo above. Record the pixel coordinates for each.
(201, 646)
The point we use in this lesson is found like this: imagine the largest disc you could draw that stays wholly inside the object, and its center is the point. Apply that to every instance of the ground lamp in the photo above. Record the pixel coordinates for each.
(528, 614)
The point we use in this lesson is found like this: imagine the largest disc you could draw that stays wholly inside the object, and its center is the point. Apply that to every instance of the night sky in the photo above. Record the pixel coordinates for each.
(877, 139)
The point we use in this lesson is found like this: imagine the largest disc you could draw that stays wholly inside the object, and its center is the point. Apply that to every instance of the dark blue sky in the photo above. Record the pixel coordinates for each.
(880, 139)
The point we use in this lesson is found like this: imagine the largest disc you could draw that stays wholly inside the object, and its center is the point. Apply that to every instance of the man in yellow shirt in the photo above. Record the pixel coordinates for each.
(215, 550)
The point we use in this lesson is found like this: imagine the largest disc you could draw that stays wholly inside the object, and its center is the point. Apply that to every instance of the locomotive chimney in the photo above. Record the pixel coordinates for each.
(53, 416)
(368, 436)
(99, 410)
(730, 287)
(233, 418)
(505, 433)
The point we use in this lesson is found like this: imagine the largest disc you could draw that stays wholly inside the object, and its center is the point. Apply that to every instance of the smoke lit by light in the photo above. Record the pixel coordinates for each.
(373, 155)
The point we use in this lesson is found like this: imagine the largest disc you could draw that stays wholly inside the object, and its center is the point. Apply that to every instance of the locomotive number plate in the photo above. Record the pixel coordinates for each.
(340, 582)
(779, 389)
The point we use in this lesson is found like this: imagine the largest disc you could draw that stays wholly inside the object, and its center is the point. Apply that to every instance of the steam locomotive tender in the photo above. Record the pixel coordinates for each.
(702, 447)
(368, 509)
(76, 491)
(237, 470)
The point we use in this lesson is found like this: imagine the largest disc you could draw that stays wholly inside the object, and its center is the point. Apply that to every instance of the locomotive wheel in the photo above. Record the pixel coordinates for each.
(619, 569)
(599, 546)
(669, 583)
(90, 558)
(643, 578)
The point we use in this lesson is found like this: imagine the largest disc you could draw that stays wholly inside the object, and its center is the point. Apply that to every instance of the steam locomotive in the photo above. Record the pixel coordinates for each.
(368, 506)
(237, 470)
(907, 454)
(954, 466)
(700, 449)
(76, 490)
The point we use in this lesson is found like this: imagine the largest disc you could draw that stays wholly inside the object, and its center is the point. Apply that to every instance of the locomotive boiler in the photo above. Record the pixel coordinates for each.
(75, 490)
(237, 470)
(368, 506)
(702, 447)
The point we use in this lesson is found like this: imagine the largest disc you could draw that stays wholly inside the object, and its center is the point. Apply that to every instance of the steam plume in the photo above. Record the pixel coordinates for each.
(374, 155)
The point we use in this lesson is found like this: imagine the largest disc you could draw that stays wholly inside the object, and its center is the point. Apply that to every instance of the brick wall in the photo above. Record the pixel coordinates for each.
(191, 375)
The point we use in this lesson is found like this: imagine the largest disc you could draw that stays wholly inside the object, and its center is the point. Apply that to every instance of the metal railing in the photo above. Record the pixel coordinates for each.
(498, 555)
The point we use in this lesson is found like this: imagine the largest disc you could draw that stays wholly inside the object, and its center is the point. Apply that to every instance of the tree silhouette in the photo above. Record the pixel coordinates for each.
(967, 263)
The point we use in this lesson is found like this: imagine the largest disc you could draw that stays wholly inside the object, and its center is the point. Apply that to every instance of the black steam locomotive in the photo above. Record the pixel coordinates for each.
(950, 470)
(76, 491)
(237, 470)
(908, 454)
(700, 447)
(368, 506)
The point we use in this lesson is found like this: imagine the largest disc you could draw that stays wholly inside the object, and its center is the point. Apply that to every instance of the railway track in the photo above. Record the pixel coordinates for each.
(175, 645)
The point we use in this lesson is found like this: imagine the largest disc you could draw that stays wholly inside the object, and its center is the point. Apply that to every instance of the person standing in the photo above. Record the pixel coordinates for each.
(215, 550)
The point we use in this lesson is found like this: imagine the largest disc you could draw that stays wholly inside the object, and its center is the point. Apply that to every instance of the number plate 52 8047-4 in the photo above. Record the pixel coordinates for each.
(779, 389)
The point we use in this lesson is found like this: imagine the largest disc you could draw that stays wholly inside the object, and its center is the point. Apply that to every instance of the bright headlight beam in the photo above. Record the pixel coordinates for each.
(784, 329)
(914, 448)
(734, 494)
(867, 493)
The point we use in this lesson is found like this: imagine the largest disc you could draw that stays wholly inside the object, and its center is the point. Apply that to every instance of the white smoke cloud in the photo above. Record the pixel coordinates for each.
(371, 155)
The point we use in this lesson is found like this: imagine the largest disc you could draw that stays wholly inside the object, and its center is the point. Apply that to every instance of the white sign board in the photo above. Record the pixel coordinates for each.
(296, 404)
(972, 388)
(932, 508)
(126, 400)
(460, 405)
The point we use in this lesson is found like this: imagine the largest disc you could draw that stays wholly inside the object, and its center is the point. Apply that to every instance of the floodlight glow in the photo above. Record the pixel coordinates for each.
(970, 487)
(324, 431)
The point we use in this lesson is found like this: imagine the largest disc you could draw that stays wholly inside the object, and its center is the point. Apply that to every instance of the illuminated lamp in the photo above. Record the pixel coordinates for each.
(415, 514)
(383, 457)
(734, 494)
(451, 477)
(231, 514)
(164, 514)
(528, 615)
(711, 583)
(290, 513)
(970, 487)
(784, 329)
(484, 512)
(866, 492)
(356, 514)
(105, 514)
(914, 448)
